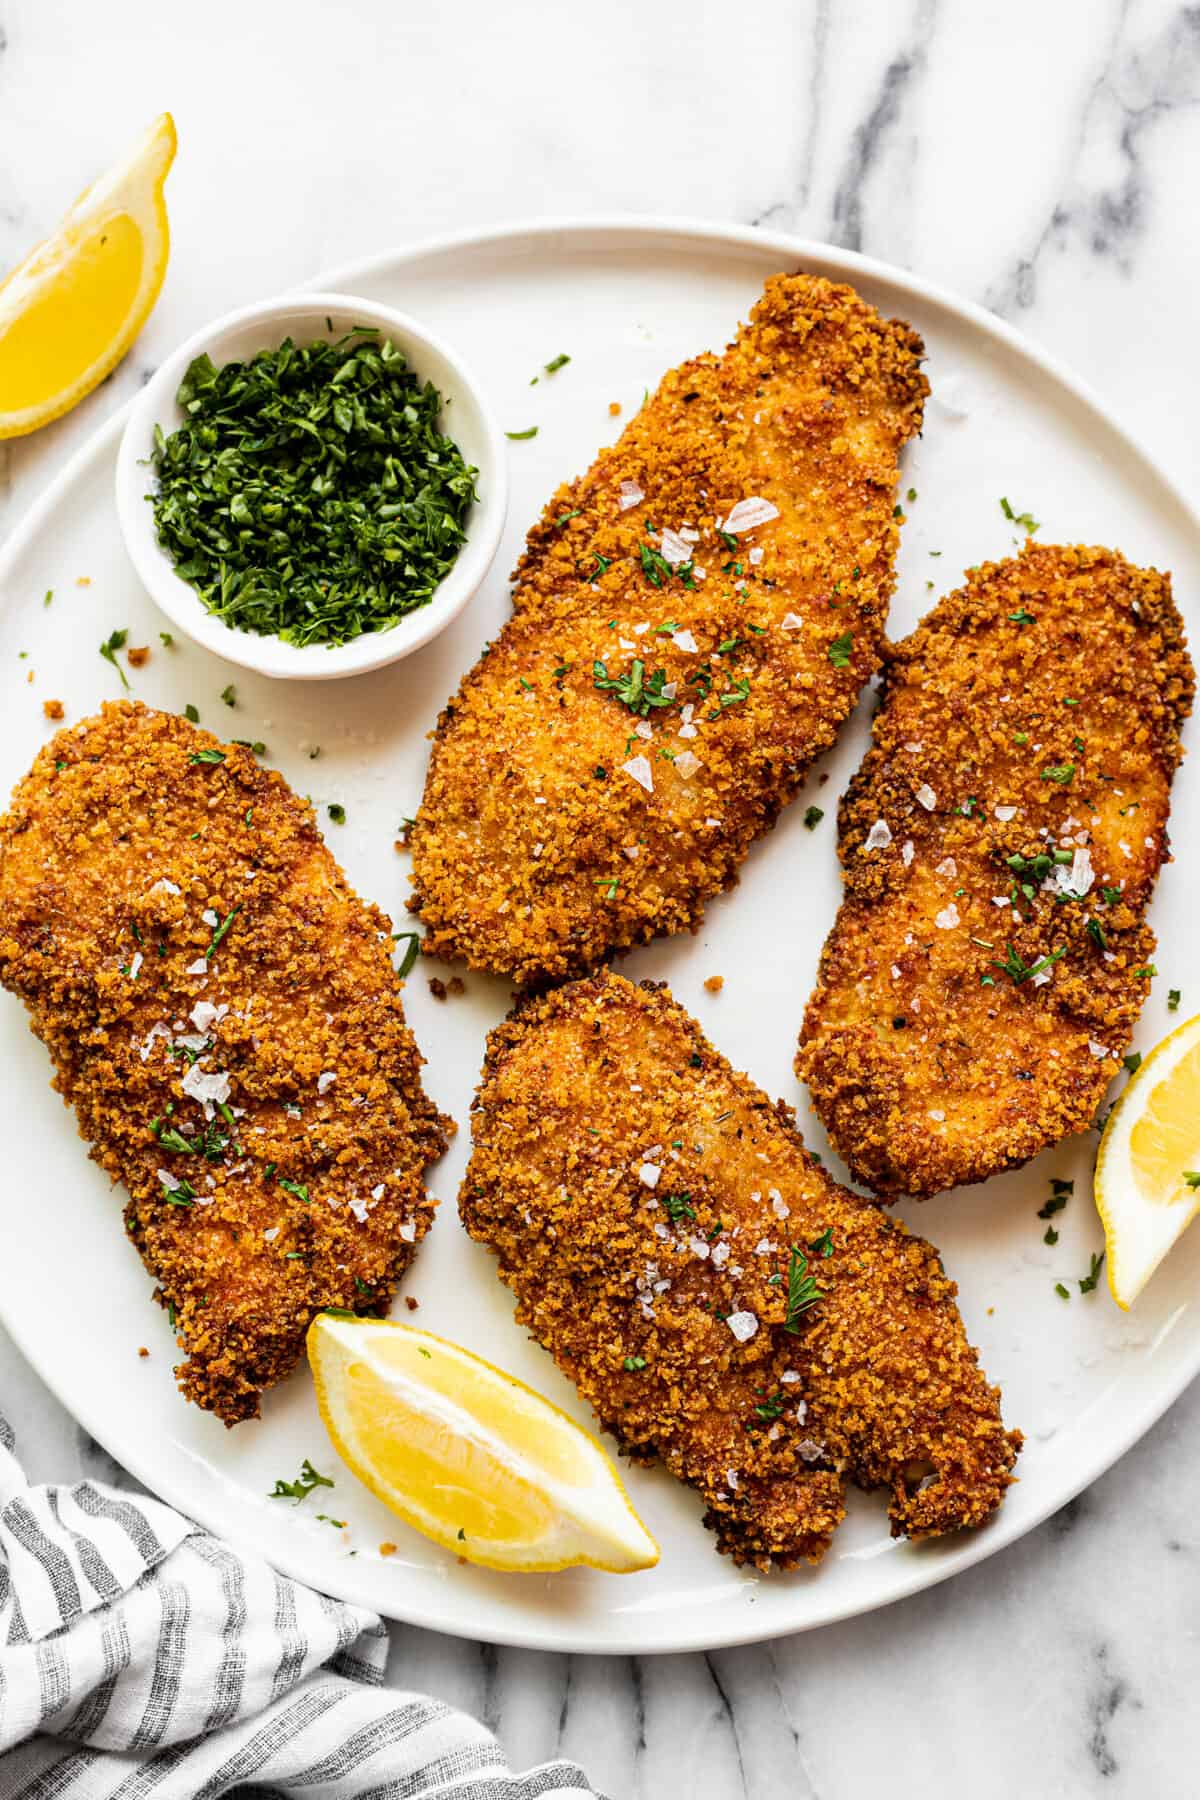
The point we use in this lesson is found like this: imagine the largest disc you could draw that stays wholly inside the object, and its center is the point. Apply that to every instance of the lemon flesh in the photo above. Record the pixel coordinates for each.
(70, 311)
(467, 1454)
(1150, 1145)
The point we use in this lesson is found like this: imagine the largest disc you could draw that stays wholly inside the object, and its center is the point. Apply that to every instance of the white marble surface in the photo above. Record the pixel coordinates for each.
(1039, 158)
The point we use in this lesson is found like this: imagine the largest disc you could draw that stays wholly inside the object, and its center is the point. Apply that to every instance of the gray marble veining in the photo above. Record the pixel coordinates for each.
(1039, 158)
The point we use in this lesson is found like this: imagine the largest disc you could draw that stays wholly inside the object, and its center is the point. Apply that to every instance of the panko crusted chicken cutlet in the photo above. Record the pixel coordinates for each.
(1000, 846)
(716, 1297)
(693, 621)
(223, 1015)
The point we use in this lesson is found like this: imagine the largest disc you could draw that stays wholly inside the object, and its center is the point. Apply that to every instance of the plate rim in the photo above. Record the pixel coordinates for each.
(607, 230)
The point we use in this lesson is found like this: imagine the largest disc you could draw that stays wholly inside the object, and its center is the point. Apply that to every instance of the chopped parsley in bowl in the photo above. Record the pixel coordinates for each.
(311, 511)
(309, 492)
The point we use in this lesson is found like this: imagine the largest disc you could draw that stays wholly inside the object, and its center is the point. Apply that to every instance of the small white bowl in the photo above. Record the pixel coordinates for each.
(305, 318)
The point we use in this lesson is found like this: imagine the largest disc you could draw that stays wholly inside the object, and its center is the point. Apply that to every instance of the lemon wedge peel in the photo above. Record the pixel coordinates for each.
(71, 310)
(435, 1459)
(1138, 1188)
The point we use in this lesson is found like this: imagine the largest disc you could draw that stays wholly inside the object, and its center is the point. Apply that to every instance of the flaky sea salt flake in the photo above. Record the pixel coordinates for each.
(638, 769)
(749, 513)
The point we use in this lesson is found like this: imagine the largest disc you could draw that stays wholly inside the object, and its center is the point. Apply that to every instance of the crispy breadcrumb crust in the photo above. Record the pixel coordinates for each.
(1040, 705)
(593, 1092)
(117, 842)
(534, 852)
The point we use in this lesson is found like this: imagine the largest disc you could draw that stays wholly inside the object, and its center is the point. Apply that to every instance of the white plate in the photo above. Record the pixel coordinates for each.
(625, 301)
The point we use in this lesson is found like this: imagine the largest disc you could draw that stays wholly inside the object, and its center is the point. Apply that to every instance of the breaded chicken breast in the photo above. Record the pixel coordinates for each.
(693, 621)
(1000, 845)
(223, 1015)
(719, 1301)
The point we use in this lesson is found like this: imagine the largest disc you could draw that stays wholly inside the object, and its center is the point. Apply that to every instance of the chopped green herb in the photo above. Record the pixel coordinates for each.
(1088, 1282)
(1017, 971)
(220, 931)
(328, 1519)
(337, 812)
(256, 746)
(1174, 996)
(166, 640)
(678, 1206)
(190, 713)
(1051, 1236)
(1060, 772)
(207, 756)
(770, 1409)
(309, 493)
(823, 1245)
(519, 437)
(1132, 1062)
(1026, 520)
(658, 570)
(812, 817)
(557, 362)
(229, 695)
(1064, 1293)
(407, 961)
(634, 689)
(1192, 1177)
(1096, 932)
(803, 1291)
(1021, 617)
(840, 650)
(633, 1365)
(603, 564)
(303, 1486)
(296, 1189)
(113, 642)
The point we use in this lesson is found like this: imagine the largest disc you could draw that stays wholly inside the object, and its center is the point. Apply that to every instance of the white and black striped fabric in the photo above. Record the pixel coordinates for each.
(141, 1659)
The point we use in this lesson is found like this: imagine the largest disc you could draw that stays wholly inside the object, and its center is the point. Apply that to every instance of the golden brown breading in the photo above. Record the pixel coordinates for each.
(1021, 768)
(653, 1212)
(539, 846)
(177, 929)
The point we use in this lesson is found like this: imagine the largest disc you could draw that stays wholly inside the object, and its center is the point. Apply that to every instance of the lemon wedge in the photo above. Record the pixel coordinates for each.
(469, 1455)
(1147, 1182)
(70, 311)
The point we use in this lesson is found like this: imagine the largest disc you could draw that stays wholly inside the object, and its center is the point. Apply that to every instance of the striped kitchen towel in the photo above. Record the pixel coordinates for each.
(141, 1659)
